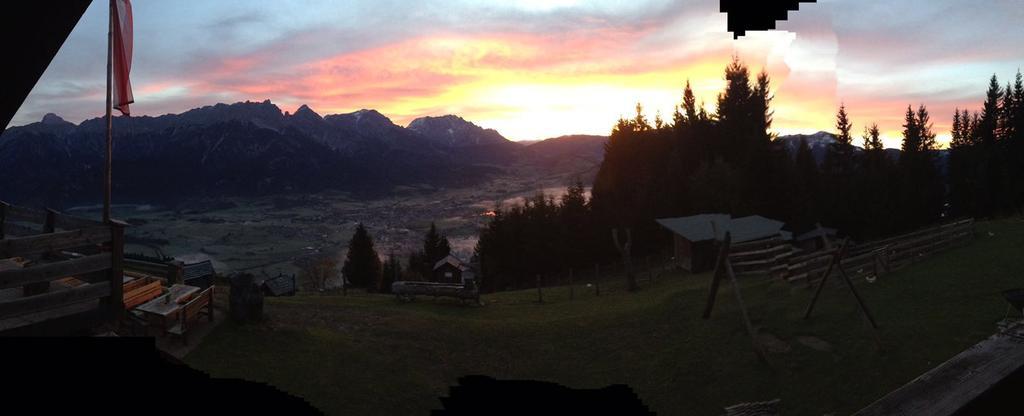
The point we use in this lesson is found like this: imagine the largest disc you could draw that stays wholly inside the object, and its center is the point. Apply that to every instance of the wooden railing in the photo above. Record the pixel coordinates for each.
(876, 258)
(54, 246)
(168, 273)
(776, 257)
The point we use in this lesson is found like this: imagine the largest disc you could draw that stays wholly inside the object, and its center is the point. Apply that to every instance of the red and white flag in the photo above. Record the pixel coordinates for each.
(121, 54)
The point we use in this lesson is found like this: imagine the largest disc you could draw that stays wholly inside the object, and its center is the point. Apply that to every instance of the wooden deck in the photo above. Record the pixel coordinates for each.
(951, 386)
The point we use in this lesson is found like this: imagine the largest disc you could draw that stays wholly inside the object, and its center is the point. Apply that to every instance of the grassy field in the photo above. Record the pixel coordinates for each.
(367, 354)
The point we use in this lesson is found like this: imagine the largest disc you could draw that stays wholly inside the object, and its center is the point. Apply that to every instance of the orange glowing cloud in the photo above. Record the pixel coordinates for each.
(527, 86)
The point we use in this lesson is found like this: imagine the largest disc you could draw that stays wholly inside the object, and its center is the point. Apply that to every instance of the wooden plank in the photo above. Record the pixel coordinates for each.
(150, 268)
(761, 262)
(756, 244)
(768, 252)
(50, 271)
(137, 283)
(716, 277)
(49, 314)
(16, 229)
(947, 388)
(71, 222)
(24, 246)
(53, 300)
(18, 213)
(142, 295)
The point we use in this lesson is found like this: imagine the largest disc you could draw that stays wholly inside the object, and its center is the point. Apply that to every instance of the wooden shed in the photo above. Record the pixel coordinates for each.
(695, 237)
(451, 270)
(198, 274)
(280, 285)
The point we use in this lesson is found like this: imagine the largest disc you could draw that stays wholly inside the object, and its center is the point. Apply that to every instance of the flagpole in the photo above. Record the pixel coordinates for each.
(110, 119)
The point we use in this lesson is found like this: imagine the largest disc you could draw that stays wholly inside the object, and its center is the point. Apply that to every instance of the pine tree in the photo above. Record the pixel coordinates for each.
(808, 189)
(689, 106)
(924, 129)
(843, 125)
(1015, 147)
(362, 265)
(391, 272)
(874, 188)
(961, 166)
(988, 155)
(911, 136)
(988, 124)
(872, 138)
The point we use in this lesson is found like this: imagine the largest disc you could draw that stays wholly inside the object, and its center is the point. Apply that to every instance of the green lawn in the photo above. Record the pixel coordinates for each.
(367, 354)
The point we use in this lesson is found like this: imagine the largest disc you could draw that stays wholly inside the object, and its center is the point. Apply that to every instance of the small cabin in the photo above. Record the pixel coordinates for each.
(452, 270)
(695, 237)
(280, 285)
(198, 274)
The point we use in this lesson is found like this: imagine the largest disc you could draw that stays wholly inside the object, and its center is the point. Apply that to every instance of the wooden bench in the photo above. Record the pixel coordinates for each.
(188, 316)
(139, 291)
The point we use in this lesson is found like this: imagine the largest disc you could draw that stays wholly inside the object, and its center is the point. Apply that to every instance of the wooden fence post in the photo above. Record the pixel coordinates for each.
(716, 277)
(116, 301)
(836, 259)
(175, 272)
(743, 309)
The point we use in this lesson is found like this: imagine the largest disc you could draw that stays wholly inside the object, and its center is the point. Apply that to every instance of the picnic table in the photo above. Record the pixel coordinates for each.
(161, 310)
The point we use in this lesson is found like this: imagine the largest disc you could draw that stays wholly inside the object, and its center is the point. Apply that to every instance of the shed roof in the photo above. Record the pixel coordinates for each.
(714, 226)
(816, 233)
(753, 227)
(696, 227)
(280, 285)
(452, 260)
(197, 270)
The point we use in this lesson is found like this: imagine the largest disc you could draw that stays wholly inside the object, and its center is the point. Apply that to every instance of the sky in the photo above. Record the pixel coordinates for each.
(534, 69)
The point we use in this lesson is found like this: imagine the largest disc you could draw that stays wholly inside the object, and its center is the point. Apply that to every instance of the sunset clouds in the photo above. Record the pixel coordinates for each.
(536, 69)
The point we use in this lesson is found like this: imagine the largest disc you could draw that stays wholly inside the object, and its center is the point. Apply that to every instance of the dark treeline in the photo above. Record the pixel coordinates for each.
(729, 162)
(986, 154)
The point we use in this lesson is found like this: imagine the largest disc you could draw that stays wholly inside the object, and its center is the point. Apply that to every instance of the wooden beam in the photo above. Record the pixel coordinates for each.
(837, 257)
(949, 387)
(17, 213)
(743, 310)
(71, 222)
(860, 302)
(53, 300)
(723, 257)
(48, 315)
(50, 271)
(35, 244)
(115, 301)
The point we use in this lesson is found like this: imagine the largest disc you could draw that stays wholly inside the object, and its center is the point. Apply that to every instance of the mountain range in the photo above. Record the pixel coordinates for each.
(253, 148)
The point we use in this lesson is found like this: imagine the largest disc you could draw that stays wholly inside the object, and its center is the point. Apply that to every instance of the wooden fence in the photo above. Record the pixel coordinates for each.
(776, 257)
(41, 247)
